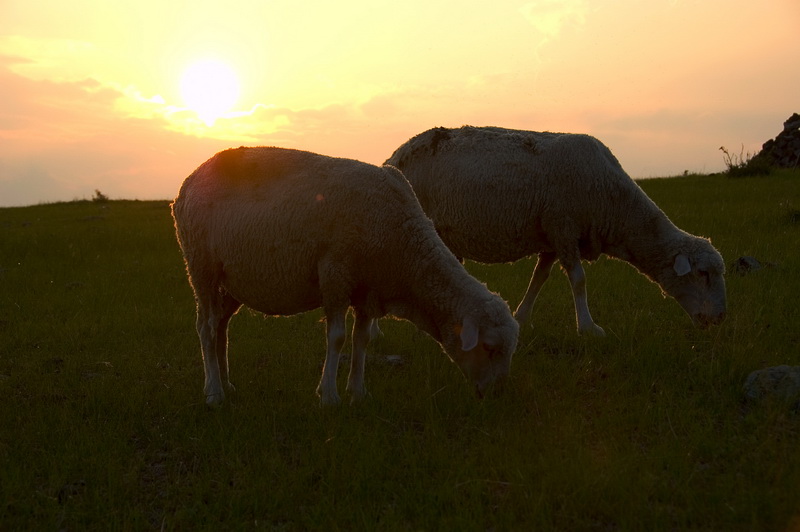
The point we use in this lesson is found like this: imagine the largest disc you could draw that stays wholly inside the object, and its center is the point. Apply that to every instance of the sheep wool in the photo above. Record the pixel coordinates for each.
(285, 231)
(497, 195)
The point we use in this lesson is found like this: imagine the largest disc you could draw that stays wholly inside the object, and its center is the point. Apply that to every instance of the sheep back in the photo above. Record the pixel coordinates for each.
(532, 191)
(271, 220)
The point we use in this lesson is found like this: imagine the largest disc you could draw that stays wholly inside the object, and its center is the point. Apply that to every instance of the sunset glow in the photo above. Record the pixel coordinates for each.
(131, 99)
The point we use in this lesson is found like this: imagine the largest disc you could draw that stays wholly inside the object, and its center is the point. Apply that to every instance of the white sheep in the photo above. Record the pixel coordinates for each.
(497, 195)
(286, 231)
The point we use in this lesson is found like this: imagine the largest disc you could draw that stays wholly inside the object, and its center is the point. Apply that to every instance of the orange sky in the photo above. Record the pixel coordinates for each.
(90, 92)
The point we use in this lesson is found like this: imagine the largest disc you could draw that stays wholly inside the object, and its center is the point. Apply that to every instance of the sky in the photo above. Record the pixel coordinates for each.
(113, 96)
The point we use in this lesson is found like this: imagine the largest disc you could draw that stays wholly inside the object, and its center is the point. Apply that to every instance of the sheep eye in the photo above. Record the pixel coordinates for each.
(705, 276)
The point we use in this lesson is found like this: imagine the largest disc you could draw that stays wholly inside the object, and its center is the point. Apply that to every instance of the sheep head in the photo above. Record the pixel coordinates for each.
(696, 280)
(482, 349)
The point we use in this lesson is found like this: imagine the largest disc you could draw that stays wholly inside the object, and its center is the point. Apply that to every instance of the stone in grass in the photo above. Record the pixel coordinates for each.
(395, 360)
(745, 265)
(779, 382)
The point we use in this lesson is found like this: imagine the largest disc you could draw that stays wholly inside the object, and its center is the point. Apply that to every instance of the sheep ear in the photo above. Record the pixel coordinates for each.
(682, 266)
(469, 334)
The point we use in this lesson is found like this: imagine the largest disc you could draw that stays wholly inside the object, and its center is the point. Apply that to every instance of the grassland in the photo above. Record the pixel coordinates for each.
(103, 425)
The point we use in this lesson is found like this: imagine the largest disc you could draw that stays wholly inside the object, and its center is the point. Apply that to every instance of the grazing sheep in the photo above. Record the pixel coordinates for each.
(497, 195)
(286, 231)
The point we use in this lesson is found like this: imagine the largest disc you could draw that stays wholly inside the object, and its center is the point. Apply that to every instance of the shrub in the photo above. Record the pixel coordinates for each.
(745, 164)
(99, 197)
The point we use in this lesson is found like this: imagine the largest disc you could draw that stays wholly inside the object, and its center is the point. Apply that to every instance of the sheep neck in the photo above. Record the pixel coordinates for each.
(641, 238)
(438, 290)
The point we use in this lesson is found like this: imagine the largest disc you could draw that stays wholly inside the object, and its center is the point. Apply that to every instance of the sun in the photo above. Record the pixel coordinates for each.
(210, 88)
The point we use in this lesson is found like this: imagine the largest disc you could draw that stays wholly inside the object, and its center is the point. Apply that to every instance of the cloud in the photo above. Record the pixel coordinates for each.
(549, 17)
(53, 59)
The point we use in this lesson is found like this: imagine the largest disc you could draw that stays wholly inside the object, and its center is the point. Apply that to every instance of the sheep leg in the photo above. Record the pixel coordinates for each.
(328, 394)
(577, 279)
(229, 308)
(207, 331)
(374, 329)
(213, 315)
(362, 333)
(540, 274)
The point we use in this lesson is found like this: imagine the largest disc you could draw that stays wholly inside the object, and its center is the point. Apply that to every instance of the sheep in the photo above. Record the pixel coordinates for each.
(497, 195)
(286, 231)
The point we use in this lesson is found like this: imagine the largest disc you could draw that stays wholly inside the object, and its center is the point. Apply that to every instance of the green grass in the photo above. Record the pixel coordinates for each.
(103, 425)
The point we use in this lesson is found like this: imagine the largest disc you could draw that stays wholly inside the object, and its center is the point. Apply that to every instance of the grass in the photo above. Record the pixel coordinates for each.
(103, 426)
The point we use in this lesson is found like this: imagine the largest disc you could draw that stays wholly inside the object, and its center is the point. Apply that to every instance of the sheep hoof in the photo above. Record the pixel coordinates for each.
(375, 330)
(215, 400)
(594, 330)
(331, 400)
(356, 400)
(357, 396)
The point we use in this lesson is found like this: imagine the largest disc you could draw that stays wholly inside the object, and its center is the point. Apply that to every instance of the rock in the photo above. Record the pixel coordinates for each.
(394, 360)
(793, 122)
(745, 265)
(784, 150)
(778, 382)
